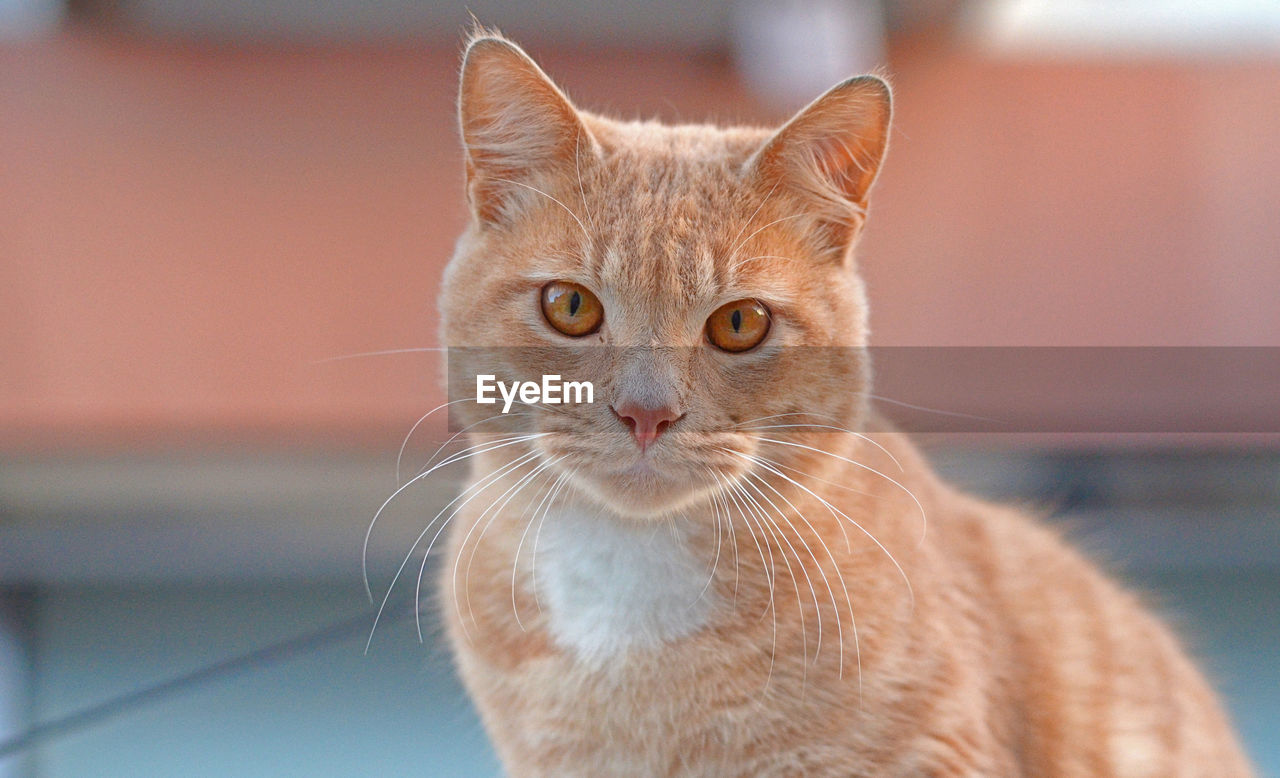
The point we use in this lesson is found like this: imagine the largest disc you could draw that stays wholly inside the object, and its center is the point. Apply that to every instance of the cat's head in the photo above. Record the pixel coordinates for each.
(701, 278)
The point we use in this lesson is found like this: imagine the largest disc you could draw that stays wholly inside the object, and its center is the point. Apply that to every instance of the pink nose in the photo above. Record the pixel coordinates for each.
(646, 424)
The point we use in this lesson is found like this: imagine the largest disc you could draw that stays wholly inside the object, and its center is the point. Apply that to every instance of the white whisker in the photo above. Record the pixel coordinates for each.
(547, 500)
(775, 532)
(770, 573)
(481, 485)
(927, 409)
(492, 478)
(418, 423)
(715, 564)
(813, 477)
(858, 435)
(924, 519)
(466, 453)
(817, 608)
(722, 510)
(567, 209)
(781, 415)
(835, 511)
(853, 621)
(762, 229)
(510, 493)
(454, 437)
(533, 560)
(384, 353)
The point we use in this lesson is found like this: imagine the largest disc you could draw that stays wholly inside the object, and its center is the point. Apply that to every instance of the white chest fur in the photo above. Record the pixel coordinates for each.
(609, 587)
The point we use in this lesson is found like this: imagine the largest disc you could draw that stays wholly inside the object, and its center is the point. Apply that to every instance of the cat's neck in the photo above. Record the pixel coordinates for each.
(609, 585)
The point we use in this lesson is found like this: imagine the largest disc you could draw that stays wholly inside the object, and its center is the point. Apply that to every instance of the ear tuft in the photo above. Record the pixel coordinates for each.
(830, 153)
(477, 30)
(516, 124)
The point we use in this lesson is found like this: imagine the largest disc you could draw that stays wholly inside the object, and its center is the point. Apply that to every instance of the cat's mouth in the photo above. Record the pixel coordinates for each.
(650, 486)
(678, 469)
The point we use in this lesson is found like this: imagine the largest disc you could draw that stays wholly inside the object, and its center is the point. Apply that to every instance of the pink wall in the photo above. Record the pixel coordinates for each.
(184, 231)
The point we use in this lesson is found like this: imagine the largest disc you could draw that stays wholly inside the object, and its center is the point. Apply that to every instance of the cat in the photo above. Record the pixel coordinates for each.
(726, 565)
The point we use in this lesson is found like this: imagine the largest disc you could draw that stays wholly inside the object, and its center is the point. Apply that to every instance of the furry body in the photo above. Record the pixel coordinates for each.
(1017, 659)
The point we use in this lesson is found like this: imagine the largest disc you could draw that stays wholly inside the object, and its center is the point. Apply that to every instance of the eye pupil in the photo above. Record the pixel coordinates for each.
(738, 326)
(571, 309)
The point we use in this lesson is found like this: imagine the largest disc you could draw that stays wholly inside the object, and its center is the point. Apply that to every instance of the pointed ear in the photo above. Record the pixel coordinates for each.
(828, 156)
(517, 126)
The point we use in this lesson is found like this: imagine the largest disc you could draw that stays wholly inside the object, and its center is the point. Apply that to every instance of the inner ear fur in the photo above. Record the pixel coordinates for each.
(517, 126)
(829, 154)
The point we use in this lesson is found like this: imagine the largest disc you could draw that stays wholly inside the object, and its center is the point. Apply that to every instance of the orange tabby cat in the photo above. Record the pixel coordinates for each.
(718, 567)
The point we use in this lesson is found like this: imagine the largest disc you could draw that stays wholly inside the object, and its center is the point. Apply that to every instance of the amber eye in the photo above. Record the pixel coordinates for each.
(571, 308)
(738, 326)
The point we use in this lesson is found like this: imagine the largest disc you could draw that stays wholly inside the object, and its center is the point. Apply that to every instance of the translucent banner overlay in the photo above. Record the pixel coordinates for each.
(924, 389)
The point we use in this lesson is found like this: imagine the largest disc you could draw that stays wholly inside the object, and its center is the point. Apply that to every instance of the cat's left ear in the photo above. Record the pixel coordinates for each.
(517, 126)
(829, 154)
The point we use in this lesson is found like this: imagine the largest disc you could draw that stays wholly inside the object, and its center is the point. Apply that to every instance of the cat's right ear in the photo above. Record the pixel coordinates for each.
(517, 127)
(829, 155)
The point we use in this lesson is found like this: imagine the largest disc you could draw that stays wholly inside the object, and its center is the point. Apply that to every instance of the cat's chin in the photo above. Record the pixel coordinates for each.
(641, 493)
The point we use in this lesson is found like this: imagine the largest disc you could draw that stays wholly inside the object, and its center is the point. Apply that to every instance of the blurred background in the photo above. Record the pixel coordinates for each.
(207, 206)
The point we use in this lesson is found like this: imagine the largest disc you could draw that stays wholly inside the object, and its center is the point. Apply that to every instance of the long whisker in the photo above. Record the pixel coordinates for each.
(715, 564)
(848, 545)
(452, 438)
(383, 353)
(783, 415)
(853, 621)
(761, 463)
(732, 491)
(567, 209)
(725, 494)
(466, 453)
(742, 425)
(533, 560)
(858, 435)
(816, 607)
(475, 547)
(812, 477)
(927, 409)
(480, 485)
(418, 423)
(547, 500)
(770, 572)
(924, 519)
(716, 506)
(509, 494)
(776, 532)
(531, 456)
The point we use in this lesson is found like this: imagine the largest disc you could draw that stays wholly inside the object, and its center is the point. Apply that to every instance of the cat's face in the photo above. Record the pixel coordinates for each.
(699, 278)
